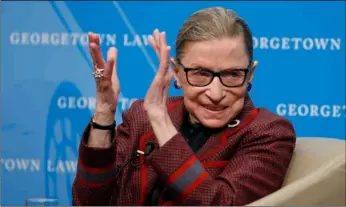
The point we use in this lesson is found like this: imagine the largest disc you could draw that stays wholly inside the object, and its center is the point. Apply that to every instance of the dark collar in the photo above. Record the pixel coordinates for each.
(198, 127)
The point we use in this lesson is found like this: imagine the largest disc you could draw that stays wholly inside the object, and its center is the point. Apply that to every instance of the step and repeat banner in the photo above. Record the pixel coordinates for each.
(48, 92)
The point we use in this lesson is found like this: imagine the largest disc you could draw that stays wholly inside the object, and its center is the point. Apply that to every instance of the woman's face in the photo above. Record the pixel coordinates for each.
(208, 100)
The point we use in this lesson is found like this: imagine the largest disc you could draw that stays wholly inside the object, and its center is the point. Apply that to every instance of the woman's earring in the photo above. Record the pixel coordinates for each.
(176, 85)
(249, 86)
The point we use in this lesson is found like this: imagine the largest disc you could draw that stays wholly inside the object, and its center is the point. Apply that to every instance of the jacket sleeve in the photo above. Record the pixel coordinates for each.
(95, 179)
(257, 169)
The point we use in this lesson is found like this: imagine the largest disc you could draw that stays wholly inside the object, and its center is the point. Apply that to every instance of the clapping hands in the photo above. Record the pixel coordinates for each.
(157, 94)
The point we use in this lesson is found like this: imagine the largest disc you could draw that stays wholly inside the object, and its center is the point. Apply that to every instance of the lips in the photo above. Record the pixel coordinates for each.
(215, 108)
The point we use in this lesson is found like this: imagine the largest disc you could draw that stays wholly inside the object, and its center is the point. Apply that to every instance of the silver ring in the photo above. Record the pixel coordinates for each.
(98, 73)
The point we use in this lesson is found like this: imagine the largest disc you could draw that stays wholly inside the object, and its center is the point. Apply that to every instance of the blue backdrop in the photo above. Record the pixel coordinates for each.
(48, 91)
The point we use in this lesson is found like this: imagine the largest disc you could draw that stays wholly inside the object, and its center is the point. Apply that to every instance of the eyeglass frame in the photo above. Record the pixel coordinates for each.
(216, 74)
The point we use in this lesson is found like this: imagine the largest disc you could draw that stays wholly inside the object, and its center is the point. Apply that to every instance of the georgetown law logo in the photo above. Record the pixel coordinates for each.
(296, 43)
(75, 38)
(139, 40)
(82, 102)
(35, 165)
(311, 110)
(57, 39)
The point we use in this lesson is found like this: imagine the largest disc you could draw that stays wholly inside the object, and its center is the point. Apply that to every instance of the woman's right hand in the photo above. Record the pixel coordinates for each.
(107, 82)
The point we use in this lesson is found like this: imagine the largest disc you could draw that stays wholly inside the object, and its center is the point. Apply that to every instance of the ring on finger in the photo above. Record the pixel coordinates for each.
(98, 73)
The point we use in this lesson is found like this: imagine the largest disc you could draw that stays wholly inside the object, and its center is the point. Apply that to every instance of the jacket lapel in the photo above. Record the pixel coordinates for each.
(216, 142)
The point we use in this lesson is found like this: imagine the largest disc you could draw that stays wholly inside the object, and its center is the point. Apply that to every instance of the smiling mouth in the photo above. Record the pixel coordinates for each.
(215, 108)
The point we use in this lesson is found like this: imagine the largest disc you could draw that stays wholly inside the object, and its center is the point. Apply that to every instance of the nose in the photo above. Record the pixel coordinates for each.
(215, 90)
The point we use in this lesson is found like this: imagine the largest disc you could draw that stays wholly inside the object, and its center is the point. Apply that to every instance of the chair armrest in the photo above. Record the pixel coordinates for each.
(323, 187)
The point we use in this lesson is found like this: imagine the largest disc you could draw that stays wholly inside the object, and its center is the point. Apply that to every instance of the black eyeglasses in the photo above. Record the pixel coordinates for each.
(200, 77)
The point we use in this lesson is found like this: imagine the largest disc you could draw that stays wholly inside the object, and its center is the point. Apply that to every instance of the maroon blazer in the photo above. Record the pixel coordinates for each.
(235, 167)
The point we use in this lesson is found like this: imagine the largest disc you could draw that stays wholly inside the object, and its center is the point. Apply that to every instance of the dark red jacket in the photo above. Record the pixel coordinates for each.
(235, 167)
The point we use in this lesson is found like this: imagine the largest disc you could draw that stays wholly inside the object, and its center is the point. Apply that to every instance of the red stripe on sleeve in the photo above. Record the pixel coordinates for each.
(181, 170)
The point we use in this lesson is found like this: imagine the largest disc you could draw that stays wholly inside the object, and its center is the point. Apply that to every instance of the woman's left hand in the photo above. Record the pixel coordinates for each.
(155, 102)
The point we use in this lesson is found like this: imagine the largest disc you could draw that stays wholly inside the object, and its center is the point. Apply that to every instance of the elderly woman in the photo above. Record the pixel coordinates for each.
(211, 146)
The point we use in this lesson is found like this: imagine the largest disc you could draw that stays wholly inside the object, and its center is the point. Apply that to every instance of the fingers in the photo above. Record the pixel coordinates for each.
(95, 51)
(112, 56)
(159, 43)
(109, 74)
(164, 49)
(154, 41)
(157, 37)
(164, 54)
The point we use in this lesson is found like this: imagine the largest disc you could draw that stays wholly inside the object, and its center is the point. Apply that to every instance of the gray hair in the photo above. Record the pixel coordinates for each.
(213, 23)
